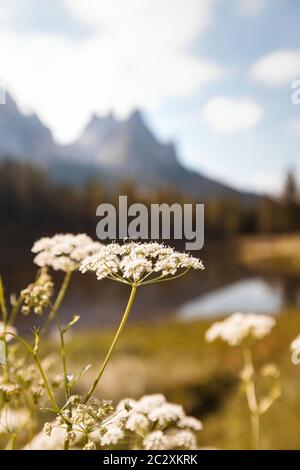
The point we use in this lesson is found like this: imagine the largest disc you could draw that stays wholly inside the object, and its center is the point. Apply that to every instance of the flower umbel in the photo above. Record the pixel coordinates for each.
(295, 348)
(84, 422)
(64, 252)
(139, 263)
(156, 423)
(241, 330)
(37, 296)
(239, 327)
(136, 264)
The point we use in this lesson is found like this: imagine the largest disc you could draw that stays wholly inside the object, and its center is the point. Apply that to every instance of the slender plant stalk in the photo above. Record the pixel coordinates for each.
(65, 372)
(14, 442)
(6, 365)
(113, 344)
(47, 385)
(67, 439)
(39, 367)
(63, 355)
(66, 444)
(162, 278)
(58, 301)
(15, 310)
(3, 304)
(5, 320)
(252, 399)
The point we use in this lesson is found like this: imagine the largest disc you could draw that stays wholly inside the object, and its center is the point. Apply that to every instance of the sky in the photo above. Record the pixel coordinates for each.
(214, 76)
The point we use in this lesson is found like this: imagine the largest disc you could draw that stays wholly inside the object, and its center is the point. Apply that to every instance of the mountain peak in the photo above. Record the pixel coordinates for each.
(97, 121)
(136, 118)
(110, 149)
(8, 109)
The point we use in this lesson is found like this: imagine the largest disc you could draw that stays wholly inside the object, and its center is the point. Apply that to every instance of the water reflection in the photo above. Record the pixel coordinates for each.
(249, 295)
(223, 286)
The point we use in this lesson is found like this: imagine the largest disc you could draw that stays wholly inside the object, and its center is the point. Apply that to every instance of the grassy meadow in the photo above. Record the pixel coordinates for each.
(277, 253)
(165, 356)
(174, 359)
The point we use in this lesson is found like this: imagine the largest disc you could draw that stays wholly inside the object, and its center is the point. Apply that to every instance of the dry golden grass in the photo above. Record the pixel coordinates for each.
(279, 253)
(173, 358)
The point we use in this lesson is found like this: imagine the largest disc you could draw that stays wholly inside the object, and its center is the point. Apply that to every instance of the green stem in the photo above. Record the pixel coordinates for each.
(4, 319)
(13, 442)
(67, 439)
(251, 399)
(15, 311)
(3, 304)
(6, 365)
(163, 278)
(63, 356)
(39, 367)
(58, 301)
(113, 344)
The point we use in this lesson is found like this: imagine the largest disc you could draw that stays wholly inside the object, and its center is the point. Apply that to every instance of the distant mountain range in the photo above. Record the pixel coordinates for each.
(108, 150)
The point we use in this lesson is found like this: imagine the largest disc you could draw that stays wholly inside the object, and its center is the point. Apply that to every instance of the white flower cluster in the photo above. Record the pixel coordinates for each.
(158, 424)
(64, 252)
(83, 417)
(51, 438)
(152, 423)
(8, 391)
(239, 327)
(7, 329)
(135, 262)
(295, 348)
(90, 445)
(37, 295)
(20, 380)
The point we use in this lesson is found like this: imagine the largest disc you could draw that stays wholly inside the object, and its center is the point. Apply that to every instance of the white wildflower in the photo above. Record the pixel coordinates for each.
(44, 441)
(149, 402)
(161, 425)
(135, 268)
(118, 418)
(64, 252)
(166, 413)
(126, 403)
(47, 429)
(84, 417)
(184, 439)
(189, 422)
(270, 370)
(238, 327)
(7, 329)
(156, 441)
(138, 262)
(111, 435)
(137, 422)
(90, 445)
(9, 391)
(295, 348)
(37, 295)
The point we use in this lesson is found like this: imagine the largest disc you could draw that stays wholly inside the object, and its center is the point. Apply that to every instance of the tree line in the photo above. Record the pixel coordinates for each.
(32, 204)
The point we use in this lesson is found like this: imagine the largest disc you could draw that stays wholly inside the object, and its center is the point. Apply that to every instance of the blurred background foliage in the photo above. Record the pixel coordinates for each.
(173, 358)
(30, 200)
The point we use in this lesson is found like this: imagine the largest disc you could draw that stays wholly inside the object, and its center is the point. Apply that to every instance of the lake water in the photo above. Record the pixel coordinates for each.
(249, 295)
(223, 287)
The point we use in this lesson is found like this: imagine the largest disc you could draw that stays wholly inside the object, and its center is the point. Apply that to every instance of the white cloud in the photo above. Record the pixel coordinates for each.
(229, 115)
(267, 181)
(250, 8)
(278, 68)
(7, 11)
(137, 57)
